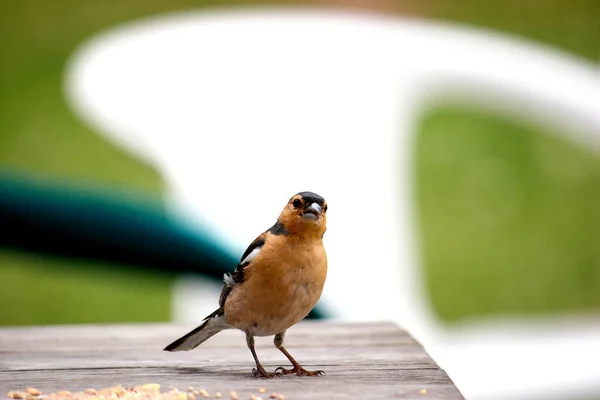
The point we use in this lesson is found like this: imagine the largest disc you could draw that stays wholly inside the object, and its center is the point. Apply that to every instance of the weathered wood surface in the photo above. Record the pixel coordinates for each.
(361, 361)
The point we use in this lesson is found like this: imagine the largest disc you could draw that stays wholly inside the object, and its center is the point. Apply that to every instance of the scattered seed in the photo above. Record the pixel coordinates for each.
(33, 391)
(423, 391)
(148, 391)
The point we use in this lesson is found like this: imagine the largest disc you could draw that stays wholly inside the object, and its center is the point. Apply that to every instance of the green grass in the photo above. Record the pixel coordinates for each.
(509, 217)
(513, 222)
(47, 290)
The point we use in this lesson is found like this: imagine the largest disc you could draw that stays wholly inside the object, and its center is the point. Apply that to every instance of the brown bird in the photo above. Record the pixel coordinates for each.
(276, 284)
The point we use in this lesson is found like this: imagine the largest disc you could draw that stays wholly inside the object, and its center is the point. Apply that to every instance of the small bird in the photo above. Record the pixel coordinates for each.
(276, 284)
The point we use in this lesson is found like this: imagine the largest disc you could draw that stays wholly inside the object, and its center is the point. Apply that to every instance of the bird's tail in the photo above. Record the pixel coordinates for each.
(211, 325)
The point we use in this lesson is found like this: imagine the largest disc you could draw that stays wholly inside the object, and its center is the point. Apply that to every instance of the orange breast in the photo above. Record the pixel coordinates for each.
(280, 287)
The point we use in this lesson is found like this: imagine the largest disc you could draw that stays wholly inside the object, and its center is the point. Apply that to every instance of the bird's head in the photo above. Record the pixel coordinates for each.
(305, 214)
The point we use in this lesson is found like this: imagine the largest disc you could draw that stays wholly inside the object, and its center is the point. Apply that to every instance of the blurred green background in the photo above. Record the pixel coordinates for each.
(508, 213)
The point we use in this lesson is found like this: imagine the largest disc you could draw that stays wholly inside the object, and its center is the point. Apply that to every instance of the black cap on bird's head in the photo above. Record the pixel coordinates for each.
(305, 212)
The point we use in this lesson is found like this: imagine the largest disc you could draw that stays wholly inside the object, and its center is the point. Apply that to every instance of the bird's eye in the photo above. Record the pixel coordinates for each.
(325, 208)
(296, 203)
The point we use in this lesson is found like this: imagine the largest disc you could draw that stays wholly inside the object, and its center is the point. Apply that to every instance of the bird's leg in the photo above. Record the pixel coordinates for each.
(259, 371)
(298, 370)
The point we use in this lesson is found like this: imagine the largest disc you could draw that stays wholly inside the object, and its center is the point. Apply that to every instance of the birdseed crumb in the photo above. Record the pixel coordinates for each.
(148, 391)
(423, 391)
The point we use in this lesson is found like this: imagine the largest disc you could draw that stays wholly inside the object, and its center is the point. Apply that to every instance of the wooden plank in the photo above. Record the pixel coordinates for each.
(360, 360)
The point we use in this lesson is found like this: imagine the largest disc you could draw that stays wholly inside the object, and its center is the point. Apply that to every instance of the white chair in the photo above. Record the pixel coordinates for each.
(240, 109)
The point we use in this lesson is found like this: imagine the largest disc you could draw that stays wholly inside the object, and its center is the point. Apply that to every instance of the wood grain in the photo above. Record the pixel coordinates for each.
(361, 361)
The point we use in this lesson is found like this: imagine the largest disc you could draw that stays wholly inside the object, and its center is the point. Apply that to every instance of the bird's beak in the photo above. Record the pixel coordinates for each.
(312, 212)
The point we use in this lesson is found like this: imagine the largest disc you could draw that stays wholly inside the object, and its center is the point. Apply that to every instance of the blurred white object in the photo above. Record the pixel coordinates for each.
(242, 109)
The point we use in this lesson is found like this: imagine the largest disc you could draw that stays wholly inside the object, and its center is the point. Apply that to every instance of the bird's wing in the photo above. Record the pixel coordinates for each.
(238, 275)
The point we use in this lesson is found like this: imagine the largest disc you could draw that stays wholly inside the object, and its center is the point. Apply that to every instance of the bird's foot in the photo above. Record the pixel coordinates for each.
(298, 370)
(261, 373)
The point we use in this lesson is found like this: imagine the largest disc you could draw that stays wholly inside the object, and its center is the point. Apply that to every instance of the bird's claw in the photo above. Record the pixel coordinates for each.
(261, 373)
(299, 371)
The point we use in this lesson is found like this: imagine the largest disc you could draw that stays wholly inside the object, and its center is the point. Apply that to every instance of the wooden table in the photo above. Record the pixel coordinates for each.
(361, 361)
